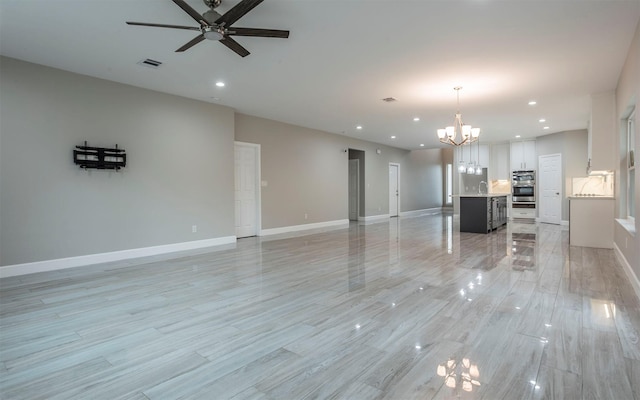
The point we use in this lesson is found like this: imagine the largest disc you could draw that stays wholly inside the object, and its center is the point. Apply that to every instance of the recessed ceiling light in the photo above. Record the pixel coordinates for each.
(546, 127)
(517, 136)
(542, 120)
(416, 119)
(220, 84)
(359, 127)
(533, 103)
(421, 144)
(393, 137)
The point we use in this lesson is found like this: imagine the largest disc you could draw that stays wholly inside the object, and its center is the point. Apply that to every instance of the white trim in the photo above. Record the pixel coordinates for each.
(415, 213)
(374, 217)
(633, 278)
(341, 223)
(90, 259)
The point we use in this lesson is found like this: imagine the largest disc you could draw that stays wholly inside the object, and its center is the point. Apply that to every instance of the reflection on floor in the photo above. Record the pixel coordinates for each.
(401, 309)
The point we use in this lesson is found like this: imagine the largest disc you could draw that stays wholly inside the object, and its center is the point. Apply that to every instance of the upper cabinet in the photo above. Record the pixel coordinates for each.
(602, 137)
(499, 166)
(484, 156)
(523, 155)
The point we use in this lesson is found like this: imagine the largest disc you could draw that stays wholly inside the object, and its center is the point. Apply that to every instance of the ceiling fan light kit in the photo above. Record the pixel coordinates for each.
(214, 26)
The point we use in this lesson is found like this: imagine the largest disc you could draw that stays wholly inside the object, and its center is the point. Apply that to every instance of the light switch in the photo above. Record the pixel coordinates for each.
(263, 183)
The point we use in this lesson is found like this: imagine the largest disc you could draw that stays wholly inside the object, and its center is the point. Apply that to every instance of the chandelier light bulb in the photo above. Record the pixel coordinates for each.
(466, 131)
(451, 132)
(475, 133)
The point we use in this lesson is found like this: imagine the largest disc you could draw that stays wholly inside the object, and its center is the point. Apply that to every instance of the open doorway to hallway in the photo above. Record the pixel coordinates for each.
(356, 184)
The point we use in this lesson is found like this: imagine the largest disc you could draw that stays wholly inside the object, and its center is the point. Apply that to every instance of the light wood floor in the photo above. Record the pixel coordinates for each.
(403, 309)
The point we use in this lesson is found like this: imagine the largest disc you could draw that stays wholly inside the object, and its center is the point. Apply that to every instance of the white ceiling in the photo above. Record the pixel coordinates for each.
(344, 56)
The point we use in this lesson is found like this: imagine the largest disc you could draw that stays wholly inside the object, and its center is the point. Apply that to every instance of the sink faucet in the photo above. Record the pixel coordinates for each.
(485, 186)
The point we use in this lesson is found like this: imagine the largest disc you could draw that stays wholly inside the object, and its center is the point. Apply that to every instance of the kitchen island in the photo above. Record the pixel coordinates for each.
(482, 213)
(591, 221)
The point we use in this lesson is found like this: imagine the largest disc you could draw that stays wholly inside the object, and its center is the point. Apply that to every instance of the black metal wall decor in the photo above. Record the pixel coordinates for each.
(99, 157)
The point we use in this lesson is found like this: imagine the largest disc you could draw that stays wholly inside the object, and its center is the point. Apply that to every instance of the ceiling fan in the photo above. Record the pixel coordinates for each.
(214, 26)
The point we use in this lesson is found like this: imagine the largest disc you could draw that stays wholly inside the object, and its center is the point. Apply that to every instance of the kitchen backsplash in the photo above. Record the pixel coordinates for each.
(594, 185)
(470, 183)
(500, 186)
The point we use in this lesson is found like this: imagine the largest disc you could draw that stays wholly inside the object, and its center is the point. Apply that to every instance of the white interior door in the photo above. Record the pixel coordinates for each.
(550, 188)
(394, 189)
(354, 187)
(247, 189)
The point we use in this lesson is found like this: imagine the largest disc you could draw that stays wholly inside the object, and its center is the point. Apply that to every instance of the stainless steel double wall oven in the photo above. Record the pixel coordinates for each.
(523, 187)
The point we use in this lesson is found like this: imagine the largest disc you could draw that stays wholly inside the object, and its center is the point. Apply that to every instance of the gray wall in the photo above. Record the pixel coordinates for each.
(628, 96)
(423, 183)
(573, 147)
(307, 172)
(179, 171)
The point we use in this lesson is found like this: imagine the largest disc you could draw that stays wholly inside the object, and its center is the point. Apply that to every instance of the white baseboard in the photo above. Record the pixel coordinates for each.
(296, 228)
(633, 278)
(90, 259)
(415, 213)
(374, 217)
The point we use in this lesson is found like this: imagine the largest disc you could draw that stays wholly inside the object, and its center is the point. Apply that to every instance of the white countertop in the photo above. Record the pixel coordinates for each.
(483, 195)
(591, 197)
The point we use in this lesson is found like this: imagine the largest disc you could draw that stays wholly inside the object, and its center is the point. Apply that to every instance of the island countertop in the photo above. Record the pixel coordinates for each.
(486, 195)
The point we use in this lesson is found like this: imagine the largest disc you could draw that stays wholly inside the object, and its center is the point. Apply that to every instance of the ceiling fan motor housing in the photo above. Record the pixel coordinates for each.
(212, 3)
(211, 16)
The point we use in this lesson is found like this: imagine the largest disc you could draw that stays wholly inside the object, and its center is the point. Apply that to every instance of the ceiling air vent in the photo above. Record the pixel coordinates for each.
(389, 99)
(150, 63)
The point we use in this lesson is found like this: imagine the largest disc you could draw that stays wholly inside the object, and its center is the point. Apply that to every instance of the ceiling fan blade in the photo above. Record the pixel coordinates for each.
(235, 46)
(193, 13)
(274, 33)
(237, 12)
(191, 28)
(191, 43)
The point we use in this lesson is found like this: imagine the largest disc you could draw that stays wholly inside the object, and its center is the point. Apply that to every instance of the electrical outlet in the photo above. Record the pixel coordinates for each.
(306, 215)
(194, 229)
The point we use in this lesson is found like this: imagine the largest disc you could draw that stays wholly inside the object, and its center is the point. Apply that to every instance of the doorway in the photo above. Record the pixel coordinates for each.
(354, 194)
(247, 189)
(356, 184)
(394, 189)
(550, 188)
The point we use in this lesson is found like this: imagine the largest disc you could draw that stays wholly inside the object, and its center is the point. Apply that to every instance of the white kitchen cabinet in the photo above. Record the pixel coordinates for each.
(499, 164)
(602, 126)
(523, 155)
(484, 156)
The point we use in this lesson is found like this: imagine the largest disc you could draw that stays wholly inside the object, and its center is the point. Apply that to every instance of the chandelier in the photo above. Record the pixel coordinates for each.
(449, 134)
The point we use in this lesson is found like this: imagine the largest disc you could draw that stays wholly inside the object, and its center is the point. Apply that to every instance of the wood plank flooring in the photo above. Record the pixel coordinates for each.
(408, 308)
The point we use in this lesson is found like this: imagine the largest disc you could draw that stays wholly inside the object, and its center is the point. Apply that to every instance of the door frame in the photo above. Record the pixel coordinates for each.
(539, 187)
(399, 191)
(258, 185)
(357, 190)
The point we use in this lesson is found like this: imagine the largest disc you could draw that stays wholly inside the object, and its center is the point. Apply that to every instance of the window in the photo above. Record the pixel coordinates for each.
(631, 167)
(449, 183)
